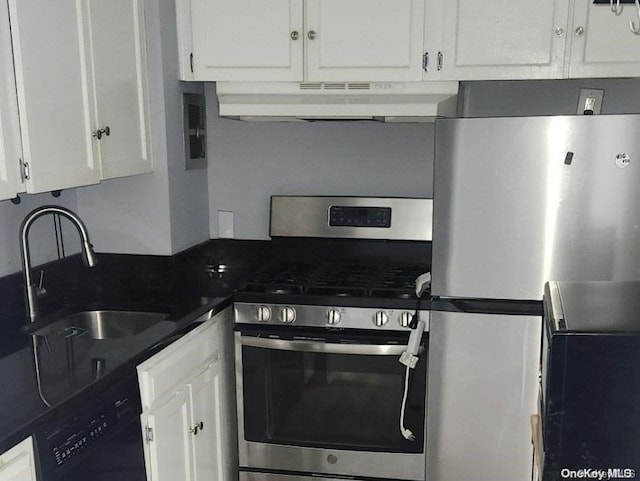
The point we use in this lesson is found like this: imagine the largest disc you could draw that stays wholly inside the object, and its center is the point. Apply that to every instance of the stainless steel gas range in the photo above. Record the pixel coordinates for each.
(319, 334)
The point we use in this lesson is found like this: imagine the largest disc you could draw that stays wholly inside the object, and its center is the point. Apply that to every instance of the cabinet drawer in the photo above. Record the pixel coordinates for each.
(18, 462)
(161, 374)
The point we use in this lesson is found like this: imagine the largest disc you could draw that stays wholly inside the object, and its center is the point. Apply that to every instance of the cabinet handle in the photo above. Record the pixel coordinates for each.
(198, 427)
(295, 35)
(559, 31)
(579, 31)
(312, 35)
(100, 132)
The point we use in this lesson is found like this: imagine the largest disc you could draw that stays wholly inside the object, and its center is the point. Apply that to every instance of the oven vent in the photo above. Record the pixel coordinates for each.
(359, 86)
(311, 86)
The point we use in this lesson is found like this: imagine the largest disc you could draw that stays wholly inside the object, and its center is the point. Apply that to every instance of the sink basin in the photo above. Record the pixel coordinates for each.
(103, 324)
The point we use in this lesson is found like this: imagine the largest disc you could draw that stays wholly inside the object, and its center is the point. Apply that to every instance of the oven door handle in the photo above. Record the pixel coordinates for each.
(323, 347)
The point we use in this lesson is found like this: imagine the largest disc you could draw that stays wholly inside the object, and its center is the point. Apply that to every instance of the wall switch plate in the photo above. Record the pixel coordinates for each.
(225, 224)
(195, 131)
(590, 101)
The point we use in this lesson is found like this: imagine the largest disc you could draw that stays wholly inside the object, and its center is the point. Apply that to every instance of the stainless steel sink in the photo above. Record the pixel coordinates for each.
(102, 324)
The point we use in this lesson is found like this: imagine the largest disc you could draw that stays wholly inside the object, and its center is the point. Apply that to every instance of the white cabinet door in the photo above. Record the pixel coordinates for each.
(120, 72)
(209, 446)
(364, 40)
(247, 39)
(602, 45)
(18, 463)
(501, 39)
(10, 149)
(168, 452)
(55, 93)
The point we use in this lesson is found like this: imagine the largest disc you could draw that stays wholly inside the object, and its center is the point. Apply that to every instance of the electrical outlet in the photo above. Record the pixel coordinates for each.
(225, 224)
(590, 101)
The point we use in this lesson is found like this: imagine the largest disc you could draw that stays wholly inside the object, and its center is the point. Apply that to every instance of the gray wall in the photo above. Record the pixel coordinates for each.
(250, 161)
(546, 97)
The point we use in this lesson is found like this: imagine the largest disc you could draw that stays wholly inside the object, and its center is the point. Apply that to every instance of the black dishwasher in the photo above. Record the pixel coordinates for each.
(591, 380)
(94, 437)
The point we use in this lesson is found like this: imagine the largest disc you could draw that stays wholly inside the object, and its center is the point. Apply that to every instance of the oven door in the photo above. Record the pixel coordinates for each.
(329, 403)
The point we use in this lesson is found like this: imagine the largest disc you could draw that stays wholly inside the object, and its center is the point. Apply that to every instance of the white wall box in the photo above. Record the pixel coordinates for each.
(296, 40)
(187, 415)
(79, 69)
(520, 39)
(18, 463)
(10, 148)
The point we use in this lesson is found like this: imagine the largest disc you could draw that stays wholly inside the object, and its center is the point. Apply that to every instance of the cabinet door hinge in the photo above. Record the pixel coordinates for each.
(425, 62)
(191, 61)
(25, 171)
(148, 434)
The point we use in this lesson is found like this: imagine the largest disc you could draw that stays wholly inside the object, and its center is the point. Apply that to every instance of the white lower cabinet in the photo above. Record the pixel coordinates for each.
(187, 415)
(18, 463)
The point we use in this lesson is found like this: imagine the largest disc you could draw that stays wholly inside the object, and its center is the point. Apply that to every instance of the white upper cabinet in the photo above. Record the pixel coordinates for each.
(500, 39)
(602, 44)
(121, 86)
(81, 86)
(55, 93)
(296, 40)
(10, 148)
(364, 40)
(246, 39)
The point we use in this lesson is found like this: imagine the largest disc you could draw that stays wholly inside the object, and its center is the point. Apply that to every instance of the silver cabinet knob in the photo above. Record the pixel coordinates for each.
(295, 35)
(311, 35)
(333, 317)
(287, 315)
(579, 31)
(198, 427)
(404, 319)
(263, 313)
(380, 318)
(559, 31)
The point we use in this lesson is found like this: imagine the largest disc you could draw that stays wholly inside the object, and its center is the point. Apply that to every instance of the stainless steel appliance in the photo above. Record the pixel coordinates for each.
(590, 368)
(517, 202)
(319, 333)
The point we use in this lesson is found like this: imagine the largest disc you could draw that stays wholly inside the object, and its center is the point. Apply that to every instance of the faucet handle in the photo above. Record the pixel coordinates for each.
(40, 290)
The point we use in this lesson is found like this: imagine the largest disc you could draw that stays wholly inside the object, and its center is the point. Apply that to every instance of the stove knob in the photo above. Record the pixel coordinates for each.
(287, 315)
(405, 318)
(380, 318)
(263, 313)
(333, 317)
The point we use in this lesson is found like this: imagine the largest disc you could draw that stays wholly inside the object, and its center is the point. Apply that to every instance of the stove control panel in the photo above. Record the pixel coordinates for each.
(341, 317)
(349, 216)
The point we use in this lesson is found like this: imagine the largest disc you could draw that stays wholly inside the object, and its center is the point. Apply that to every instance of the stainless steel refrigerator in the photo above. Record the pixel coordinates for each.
(517, 202)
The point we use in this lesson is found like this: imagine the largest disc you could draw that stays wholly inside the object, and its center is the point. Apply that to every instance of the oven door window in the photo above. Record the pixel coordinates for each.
(316, 394)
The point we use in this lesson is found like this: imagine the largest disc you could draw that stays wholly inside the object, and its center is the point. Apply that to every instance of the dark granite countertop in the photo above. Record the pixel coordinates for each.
(184, 287)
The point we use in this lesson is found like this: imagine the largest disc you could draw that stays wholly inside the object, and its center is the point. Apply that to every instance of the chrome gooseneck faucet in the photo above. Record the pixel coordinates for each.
(87, 250)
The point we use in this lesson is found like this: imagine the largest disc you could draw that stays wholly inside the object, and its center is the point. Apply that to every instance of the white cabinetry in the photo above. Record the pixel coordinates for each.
(295, 40)
(55, 94)
(18, 463)
(80, 68)
(118, 43)
(187, 414)
(499, 40)
(602, 44)
(10, 149)
(520, 39)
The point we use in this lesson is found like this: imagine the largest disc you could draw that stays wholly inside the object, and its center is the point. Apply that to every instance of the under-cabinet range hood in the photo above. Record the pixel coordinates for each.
(389, 101)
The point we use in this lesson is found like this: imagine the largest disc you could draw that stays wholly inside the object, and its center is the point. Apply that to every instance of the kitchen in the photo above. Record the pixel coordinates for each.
(173, 209)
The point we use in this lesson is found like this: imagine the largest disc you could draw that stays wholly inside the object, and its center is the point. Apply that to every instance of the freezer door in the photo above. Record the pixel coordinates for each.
(483, 388)
(518, 201)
